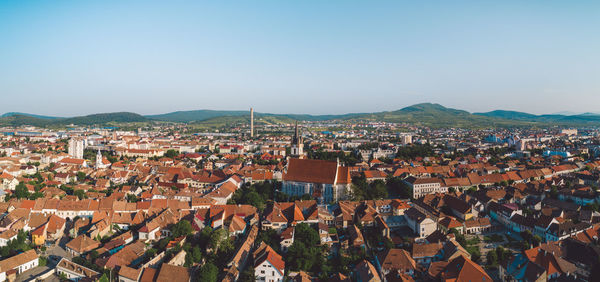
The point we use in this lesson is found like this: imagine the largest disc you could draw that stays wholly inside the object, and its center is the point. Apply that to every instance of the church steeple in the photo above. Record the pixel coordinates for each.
(295, 139)
(297, 145)
(98, 159)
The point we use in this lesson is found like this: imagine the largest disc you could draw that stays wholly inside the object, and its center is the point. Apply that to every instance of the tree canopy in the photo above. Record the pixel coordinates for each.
(208, 272)
(182, 228)
(362, 190)
(305, 253)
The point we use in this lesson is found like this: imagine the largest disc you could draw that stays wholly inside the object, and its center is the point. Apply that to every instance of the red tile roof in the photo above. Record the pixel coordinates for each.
(316, 171)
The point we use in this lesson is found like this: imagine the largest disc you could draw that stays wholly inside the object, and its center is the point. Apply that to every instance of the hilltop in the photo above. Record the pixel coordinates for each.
(425, 114)
(94, 119)
(27, 115)
(572, 120)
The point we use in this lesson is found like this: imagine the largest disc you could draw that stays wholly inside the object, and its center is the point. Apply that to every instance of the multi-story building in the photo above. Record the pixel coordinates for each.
(76, 147)
(423, 186)
(420, 224)
(268, 264)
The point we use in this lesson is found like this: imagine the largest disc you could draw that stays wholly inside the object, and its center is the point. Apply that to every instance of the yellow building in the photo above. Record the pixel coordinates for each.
(38, 236)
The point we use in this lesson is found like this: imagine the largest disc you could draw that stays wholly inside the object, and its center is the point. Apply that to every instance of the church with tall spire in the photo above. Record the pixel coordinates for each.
(101, 162)
(297, 150)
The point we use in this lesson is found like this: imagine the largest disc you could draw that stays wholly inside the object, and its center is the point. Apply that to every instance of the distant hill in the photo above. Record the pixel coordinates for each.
(105, 118)
(508, 115)
(95, 119)
(569, 113)
(201, 115)
(28, 115)
(20, 120)
(567, 120)
(221, 121)
(188, 116)
(426, 114)
(566, 113)
(436, 115)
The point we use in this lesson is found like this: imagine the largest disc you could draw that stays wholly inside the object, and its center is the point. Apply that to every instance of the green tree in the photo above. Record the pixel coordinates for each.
(378, 190)
(208, 272)
(502, 254)
(42, 261)
(36, 195)
(248, 275)
(305, 252)
(131, 198)
(225, 251)
(299, 257)
(459, 237)
(524, 245)
(21, 191)
(553, 192)
(150, 253)
(536, 240)
(304, 233)
(81, 176)
(492, 258)
(359, 188)
(189, 261)
(182, 228)
(216, 237)
(196, 254)
(415, 150)
(397, 184)
(254, 199)
(475, 255)
(270, 237)
(387, 243)
(80, 194)
(162, 243)
(171, 153)
(204, 236)
(526, 235)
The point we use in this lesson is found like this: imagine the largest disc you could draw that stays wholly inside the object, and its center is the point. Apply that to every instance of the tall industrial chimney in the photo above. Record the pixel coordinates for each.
(252, 122)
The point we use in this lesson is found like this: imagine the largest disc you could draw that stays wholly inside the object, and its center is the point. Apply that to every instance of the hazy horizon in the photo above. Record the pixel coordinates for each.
(72, 58)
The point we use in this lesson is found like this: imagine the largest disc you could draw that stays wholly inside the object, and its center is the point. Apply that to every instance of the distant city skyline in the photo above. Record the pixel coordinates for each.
(310, 57)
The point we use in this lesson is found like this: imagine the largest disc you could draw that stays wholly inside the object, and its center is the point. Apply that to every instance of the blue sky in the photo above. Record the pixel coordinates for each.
(70, 58)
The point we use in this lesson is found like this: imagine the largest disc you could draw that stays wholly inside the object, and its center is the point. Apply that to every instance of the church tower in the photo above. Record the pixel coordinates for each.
(98, 159)
(297, 150)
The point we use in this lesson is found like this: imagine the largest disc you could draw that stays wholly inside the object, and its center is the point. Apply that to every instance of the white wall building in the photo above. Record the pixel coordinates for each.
(21, 263)
(422, 225)
(76, 147)
(73, 271)
(424, 186)
(268, 264)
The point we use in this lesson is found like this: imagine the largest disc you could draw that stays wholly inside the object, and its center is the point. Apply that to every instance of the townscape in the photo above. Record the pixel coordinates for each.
(302, 201)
